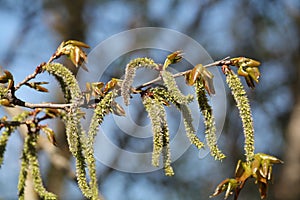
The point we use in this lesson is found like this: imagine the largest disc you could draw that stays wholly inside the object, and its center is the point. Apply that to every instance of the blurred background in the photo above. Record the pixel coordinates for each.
(267, 31)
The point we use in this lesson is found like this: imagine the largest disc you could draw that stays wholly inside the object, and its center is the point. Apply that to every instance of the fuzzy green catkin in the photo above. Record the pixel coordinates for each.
(66, 79)
(23, 171)
(75, 138)
(31, 157)
(186, 113)
(209, 120)
(131, 67)
(102, 109)
(161, 136)
(164, 94)
(37, 180)
(3, 92)
(3, 141)
(71, 121)
(156, 113)
(189, 128)
(7, 132)
(72, 94)
(80, 171)
(74, 132)
(166, 150)
(243, 105)
(170, 83)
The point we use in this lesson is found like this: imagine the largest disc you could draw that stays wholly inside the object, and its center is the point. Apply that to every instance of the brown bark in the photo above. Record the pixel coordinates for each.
(66, 18)
(288, 189)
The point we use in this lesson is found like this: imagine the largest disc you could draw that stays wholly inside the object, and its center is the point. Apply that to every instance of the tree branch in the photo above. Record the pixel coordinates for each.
(47, 105)
(216, 63)
(37, 71)
(10, 123)
(68, 105)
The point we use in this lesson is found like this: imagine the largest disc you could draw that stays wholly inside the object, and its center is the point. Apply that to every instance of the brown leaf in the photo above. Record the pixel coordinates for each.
(77, 43)
(37, 86)
(75, 56)
(173, 58)
(247, 68)
(97, 88)
(111, 85)
(228, 185)
(50, 134)
(6, 102)
(244, 62)
(52, 112)
(72, 49)
(117, 109)
(6, 77)
(207, 77)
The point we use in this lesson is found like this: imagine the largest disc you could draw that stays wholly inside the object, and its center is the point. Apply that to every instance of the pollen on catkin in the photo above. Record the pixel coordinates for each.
(209, 120)
(75, 135)
(161, 136)
(189, 128)
(156, 114)
(67, 81)
(33, 167)
(242, 102)
(186, 113)
(7, 132)
(166, 150)
(131, 67)
(170, 83)
(102, 109)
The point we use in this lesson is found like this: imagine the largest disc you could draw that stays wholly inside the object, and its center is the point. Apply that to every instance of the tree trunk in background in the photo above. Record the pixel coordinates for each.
(288, 187)
(66, 18)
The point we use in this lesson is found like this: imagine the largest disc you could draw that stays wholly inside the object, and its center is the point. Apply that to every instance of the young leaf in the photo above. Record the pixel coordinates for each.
(244, 62)
(97, 89)
(77, 43)
(200, 72)
(37, 86)
(50, 134)
(173, 58)
(6, 77)
(73, 50)
(248, 68)
(228, 185)
(52, 113)
(117, 109)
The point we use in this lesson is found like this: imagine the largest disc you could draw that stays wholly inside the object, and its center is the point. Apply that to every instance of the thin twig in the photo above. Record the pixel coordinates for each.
(10, 123)
(66, 106)
(37, 71)
(216, 63)
(47, 105)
